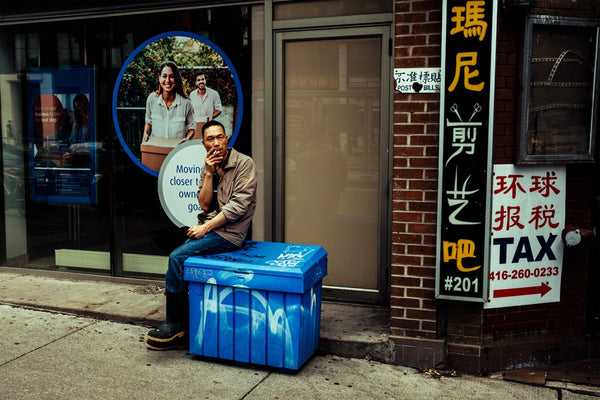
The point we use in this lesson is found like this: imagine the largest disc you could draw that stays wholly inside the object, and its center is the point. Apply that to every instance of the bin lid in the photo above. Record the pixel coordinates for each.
(272, 266)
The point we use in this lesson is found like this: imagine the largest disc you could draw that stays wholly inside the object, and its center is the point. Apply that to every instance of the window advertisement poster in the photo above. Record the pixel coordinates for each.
(528, 217)
(166, 141)
(205, 86)
(465, 161)
(62, 135)
(178, 183)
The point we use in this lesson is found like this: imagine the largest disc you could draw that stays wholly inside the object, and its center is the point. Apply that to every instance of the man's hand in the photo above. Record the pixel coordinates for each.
(213, 161)
(197, 231)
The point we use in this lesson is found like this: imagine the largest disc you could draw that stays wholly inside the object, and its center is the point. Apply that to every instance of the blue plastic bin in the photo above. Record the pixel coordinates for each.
(258, 305)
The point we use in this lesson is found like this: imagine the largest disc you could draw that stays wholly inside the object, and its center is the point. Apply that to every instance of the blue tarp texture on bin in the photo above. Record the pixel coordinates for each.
(258, 305)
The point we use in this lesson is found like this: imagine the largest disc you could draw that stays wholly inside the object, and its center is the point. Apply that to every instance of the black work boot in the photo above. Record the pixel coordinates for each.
(172, 334)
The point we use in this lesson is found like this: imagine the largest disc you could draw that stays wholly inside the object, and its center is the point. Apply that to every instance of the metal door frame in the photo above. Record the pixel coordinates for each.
(385, 154)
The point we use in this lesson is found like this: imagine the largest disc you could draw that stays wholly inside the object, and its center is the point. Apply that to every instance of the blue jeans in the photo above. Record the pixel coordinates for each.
(211, 243)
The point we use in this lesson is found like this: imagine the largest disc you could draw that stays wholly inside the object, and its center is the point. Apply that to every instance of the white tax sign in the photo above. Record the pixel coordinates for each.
(526, 249)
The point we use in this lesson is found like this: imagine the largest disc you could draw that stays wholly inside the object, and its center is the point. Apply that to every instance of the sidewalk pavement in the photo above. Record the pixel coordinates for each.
(91, 345)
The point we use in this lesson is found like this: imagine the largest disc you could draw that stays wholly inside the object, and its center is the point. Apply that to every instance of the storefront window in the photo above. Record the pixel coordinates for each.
(73, 196)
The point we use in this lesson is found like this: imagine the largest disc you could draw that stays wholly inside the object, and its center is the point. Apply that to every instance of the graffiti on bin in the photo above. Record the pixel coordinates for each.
(217, 304)
(198, 274)
(292, 256)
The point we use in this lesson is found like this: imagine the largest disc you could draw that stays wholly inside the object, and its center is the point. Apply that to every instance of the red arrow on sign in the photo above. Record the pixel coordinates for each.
(542, 290)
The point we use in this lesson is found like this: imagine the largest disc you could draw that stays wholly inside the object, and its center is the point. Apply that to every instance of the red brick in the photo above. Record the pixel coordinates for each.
(431, 27)
(420, 293)
(407, 216)
(425, 51)
(407, 151)
(397, 296)
(409, 18)
(421, 271)
(400, 118)
(396, 313)
(423, 206)
(409, 260)
(424, 118)
(405, 106)
(421, 250)
(409, 129)
(408, 238)
(407, 303)
(410, 40)
(405, 323)
(417, 162)
(422, 185)
(401, 52)
(405, 281)
(421, 314)
(413, 62)
(429, 326)
(426, 5)
(408, 173)
(423, 140)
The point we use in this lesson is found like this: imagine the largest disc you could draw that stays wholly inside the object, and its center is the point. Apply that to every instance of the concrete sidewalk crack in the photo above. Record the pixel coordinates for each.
(255, 386)
(47, 344)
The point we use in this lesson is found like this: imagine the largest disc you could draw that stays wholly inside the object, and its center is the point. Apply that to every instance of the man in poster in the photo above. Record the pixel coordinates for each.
(206, 102)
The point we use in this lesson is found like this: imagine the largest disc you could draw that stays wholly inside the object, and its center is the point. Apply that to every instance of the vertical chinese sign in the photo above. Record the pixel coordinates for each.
(528, 216)
(466, 124)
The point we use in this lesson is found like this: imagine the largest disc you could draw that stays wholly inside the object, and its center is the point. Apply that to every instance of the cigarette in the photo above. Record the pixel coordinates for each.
(214, 152)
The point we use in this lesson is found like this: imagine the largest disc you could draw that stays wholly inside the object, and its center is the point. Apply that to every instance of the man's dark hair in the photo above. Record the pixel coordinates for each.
(210, 123)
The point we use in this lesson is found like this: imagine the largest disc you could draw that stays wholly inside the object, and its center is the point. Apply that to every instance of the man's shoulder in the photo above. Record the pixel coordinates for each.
(238, 157)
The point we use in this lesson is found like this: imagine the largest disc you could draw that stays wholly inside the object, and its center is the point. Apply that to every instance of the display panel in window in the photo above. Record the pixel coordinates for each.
(560, 98)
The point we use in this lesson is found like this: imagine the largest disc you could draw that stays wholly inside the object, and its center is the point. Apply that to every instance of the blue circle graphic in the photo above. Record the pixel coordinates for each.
(238, 87)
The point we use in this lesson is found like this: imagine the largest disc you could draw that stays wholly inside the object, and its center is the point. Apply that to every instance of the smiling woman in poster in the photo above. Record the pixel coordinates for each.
(169, 112)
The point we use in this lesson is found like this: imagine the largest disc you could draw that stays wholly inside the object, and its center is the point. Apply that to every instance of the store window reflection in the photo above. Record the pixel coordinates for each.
(53, 217)
(332, 135)
(74, 199)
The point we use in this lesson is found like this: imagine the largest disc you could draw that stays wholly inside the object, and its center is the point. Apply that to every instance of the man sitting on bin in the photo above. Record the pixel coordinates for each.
(227, 197)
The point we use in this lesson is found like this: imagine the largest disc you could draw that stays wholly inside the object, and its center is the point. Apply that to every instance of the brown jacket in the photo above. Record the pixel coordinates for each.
(236, 197)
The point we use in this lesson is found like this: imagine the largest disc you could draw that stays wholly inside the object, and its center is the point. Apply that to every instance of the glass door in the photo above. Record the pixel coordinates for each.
(332, 124)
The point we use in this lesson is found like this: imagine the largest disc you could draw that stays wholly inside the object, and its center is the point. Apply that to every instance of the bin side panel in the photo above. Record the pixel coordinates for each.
(276, 329)
(242, 325)
(196, 334)
(259, 311)
(293, 334)
(305, 342)
(225, 316)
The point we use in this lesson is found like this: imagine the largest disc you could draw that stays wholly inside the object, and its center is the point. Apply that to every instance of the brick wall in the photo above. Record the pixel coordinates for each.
(553, 332)
(460, 334)
(416, 126)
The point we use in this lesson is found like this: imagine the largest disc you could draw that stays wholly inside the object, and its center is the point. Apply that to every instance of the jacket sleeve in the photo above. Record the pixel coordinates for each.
(243, 192)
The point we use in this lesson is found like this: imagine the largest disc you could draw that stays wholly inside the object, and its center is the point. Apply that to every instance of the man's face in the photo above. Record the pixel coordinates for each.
(201, 82)
(215, 140)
